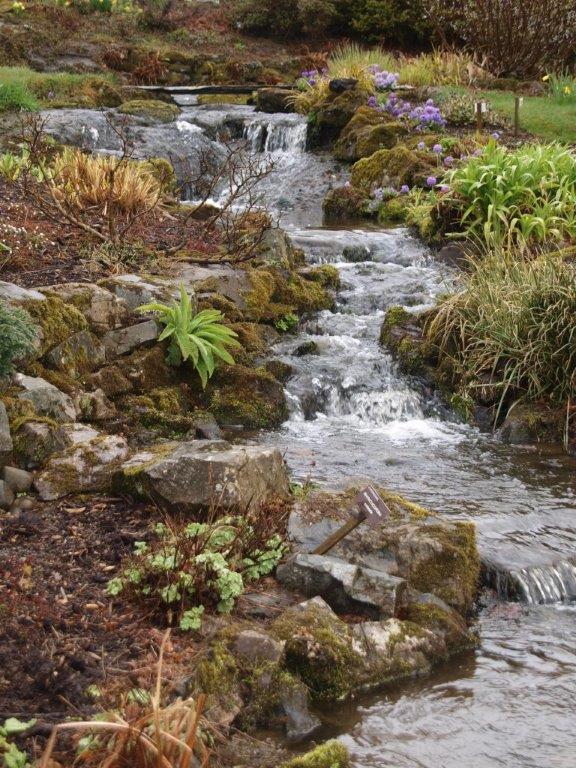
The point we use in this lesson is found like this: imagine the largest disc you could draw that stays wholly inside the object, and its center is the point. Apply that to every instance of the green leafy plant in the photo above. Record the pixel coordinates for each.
(188, 567)
(17, 336)
(14, 96)
(201, 338)
(11, 756)
(562, 87)
(286, 322)
(527, 195)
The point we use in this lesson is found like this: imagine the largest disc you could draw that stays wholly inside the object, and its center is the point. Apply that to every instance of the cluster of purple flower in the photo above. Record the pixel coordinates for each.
(312, 75)
(385, 193)
(384, 80)
(427, 116)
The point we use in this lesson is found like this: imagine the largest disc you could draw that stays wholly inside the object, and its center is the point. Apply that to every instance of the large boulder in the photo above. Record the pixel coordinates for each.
(192, 476)
(273, 100)
(125, 340)
(80, 353)
(86, 466)
(393, 168)
(344, 204)
(336, 111)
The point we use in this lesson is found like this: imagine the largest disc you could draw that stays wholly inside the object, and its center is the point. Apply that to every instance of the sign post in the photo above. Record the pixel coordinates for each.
(518, 101)
(372, 508)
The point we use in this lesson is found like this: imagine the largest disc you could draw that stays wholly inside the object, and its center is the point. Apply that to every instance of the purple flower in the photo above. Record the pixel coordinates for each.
(422, 145)
(404, 189)
(431, 181)
(448, 161)
(372, 102)
(437, 149)
(478, 152)
(378, 194)
(444, 188)
(496, 135)
(347, 184)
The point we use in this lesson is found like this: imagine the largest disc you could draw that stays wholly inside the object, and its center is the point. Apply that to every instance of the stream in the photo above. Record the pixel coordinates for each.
(354, 416)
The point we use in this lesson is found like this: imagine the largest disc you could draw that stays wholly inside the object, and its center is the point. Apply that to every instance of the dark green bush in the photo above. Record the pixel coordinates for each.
(398, 22)
(17, 334)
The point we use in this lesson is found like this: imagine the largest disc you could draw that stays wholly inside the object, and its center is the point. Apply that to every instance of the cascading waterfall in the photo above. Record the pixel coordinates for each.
(274, 136)
(538, 584)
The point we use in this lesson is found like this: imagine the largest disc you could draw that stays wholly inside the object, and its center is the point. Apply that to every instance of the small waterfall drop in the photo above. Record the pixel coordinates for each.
(537, 584)
(287, 136)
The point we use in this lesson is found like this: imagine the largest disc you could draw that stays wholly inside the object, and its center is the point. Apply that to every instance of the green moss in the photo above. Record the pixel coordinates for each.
(367, 132)
(217, 672)
(393, 167)
(61, 380)
(268, 685)
(453, 571)
(331, 754)
(273, 295)
(393, 210)
(326, 274)
(215, 300)
(248, 396)
(57, 320)
(449, 625)
(319, 651)
(395, 316)
(344, 204)
(157, 110)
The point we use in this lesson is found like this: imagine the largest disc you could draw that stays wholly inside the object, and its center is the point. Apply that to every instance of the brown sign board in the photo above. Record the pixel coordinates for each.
(372, 509)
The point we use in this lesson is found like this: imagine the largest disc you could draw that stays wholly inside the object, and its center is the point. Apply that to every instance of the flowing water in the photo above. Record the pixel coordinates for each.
(353, 415)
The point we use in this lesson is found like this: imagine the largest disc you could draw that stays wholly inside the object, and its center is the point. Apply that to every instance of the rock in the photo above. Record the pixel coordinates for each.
(6, 444)
(84, 467)
(146, 369)
(368, 131)
(190, 476)
(34, 442)
(205, 426)
(356, 253)
(127, 339)
(15, 294)
(344, 586)
(343, 204)
(6, 495)
(307, 348)
(80, 353)
(94, 406)
(135, 290)
(46, 398)
(300, 722)
(273, 100)
(17, 479)
(280, 370)
(257, 646)
(111, 380)
(78, 434)
(393, 167)
(152, 110)
(337, 110)
(103, 310)
(533, 423)
(341, 84)
(248, 397)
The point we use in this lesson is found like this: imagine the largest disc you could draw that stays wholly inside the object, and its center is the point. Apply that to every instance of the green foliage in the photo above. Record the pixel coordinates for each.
(286, 323)
(17, 336)
(201, 338)
(401, 22)
(511, 328)
(188, 567)
(331, 754)
(11, 756)
(562, 87)
(528, 194)
(53, 87)
(286, 18)
(14, 96)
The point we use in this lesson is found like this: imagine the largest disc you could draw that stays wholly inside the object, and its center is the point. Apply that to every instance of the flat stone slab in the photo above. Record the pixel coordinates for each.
(125, 340)
(344, 586)
(47, 399)
(201, 474)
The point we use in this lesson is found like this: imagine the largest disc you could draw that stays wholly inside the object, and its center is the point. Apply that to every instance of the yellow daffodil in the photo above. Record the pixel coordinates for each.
(567, 90)
(546, 78)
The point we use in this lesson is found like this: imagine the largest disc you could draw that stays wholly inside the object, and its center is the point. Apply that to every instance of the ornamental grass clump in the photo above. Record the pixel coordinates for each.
(526, 195)
(512, 327)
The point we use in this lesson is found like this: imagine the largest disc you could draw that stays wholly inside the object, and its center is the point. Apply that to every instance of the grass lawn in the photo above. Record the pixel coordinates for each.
(539, 115)
(20, 84)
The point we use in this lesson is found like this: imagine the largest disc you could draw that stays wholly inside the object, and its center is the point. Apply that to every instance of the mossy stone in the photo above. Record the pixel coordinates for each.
(57, 320)
(331, 754)
(367, 132)
(393, 167)
(156, 110)
(250, 397)
(344, 204)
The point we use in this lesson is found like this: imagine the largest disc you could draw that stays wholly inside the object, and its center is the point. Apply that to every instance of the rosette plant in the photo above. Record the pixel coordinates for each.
(201, 338)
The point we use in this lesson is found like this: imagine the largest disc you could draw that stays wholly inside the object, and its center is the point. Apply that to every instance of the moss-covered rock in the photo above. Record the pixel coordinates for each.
(57, 321)
(248, 396)
(368, 131)
(402, 333)
(393, 167)
(326, 274)
(344, 204)
(331, 754)
(331, 117)
(159, 111)
(276, 293)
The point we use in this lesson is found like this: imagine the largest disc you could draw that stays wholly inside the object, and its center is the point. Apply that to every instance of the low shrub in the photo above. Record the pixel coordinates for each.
(511, 327)
(186, 567)
(17, 336)
(398, 22)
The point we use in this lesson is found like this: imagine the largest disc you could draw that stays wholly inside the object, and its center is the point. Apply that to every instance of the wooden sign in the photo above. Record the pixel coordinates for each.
(372, 509)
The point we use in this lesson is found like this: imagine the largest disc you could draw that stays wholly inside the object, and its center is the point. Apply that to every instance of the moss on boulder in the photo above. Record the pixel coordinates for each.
(57, 321)
(331, 754)
(337, 110)
(368, 131)
(402, 333)
(159, 111)
(275, 293)
(248, 396)
(393, 167)
(344, 204)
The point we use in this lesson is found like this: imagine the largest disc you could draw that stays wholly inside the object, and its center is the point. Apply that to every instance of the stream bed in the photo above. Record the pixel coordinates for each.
(354, 416)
